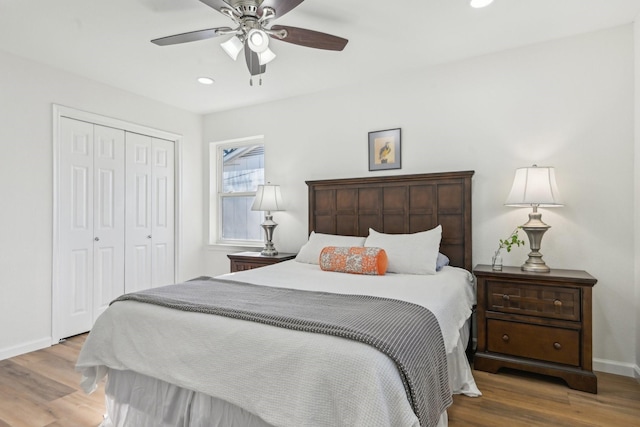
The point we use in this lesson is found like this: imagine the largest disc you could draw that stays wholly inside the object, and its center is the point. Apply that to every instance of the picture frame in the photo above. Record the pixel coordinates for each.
(385, 150)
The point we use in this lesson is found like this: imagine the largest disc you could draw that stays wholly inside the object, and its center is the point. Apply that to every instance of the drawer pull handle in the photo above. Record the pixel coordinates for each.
(505, 338)
(557, 345)
(557, 303)
(505, 297)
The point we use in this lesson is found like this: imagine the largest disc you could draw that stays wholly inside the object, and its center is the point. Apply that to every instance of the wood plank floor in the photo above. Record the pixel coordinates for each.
(513, 399)
(40, 389)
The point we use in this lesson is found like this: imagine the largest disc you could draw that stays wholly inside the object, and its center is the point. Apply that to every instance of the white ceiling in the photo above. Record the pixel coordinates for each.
(108, 41)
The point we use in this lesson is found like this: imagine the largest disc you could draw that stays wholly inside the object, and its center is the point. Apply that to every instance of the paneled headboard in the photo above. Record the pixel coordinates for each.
(397, 204)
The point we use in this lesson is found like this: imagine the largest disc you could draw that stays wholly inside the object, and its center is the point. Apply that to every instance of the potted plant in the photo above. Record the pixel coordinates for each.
(513, 239)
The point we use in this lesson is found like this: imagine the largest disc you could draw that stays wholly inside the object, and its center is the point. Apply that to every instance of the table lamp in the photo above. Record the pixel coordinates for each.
(268, 198)
(535, 187)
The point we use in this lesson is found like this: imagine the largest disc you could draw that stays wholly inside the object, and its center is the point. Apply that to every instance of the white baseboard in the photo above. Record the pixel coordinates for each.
(6, 353)
(617, 368)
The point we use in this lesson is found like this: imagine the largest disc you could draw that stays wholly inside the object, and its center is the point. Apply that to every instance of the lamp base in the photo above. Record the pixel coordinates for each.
(535, 229)
(535, 264)
(269, 225)
(269, 250)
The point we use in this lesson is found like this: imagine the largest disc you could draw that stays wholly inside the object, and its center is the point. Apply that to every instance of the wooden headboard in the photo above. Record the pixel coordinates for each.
(397, 204)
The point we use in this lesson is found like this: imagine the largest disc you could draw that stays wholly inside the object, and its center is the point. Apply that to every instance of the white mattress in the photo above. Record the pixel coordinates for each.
(286, 378)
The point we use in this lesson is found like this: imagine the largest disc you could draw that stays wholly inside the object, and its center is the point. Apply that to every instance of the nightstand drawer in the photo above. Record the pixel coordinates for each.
(242, 266)
(242, 261)
(535, 342)
(534, 300)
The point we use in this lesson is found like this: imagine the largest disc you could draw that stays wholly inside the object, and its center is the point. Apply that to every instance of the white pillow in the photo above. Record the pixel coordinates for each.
(310, 251)
(415, 253)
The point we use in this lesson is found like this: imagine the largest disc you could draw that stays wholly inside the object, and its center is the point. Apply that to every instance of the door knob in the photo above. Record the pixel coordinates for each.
(97, 239)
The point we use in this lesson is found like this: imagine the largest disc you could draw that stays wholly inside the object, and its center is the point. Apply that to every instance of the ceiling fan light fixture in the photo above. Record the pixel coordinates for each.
(253, 30)
(233, 47)
(258, 40)
(480, 3)
(266, 56)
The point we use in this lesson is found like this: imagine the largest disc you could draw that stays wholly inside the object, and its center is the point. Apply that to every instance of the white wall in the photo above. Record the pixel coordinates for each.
(637, 191)
(27, 92)
(567, 103)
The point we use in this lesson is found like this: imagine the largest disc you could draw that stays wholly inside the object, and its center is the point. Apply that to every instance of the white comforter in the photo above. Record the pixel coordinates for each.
(450, 294)
(288, 378)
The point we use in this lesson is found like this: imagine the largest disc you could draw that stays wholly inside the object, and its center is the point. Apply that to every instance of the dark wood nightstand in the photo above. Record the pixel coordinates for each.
(536, 322)
(249, 260)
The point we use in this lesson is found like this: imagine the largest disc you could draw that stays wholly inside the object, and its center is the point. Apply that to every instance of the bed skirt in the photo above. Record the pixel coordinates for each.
(134, 399)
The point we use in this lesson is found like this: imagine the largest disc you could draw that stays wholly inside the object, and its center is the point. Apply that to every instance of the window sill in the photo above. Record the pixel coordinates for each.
(226, 247)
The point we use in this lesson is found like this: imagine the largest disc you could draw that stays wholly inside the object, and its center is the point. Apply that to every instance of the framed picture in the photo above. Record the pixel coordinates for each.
(384, 150)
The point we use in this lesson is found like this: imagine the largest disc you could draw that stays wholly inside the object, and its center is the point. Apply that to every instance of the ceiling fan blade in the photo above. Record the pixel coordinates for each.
(280, 6)
(190, 36)
(310, 38)
(253, 61)
(216, 4)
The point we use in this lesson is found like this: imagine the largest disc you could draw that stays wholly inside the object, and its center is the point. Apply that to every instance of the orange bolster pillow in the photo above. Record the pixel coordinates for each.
(355, 260)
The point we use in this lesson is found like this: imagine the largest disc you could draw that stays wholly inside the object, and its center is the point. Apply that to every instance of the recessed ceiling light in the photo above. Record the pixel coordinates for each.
(480, 3)
(205, 80)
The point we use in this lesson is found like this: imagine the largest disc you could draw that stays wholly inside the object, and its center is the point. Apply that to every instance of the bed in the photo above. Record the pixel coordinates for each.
(168, 367)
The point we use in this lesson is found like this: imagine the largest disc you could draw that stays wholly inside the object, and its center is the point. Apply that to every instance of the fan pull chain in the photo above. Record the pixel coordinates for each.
(259, 81)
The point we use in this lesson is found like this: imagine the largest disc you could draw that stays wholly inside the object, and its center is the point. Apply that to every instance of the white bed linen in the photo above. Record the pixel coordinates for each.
(449, 294)
(166, 405)
(287, 378)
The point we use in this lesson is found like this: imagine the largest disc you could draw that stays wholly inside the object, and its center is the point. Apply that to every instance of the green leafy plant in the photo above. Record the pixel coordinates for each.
(507, 243)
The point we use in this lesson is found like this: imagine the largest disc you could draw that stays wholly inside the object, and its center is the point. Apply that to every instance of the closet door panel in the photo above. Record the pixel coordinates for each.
(162, 212)
(109, 221)
(138, 249)
(78, 290)
(75, 228)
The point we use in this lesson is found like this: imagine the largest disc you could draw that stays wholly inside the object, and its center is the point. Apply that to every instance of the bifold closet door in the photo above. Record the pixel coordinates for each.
(91, 223)
(149, 246)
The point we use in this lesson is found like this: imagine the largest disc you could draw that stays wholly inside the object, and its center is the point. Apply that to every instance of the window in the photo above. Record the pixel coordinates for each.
(239, 170)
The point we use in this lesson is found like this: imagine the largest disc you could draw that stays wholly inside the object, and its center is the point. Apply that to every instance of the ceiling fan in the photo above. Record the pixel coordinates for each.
(252, 31)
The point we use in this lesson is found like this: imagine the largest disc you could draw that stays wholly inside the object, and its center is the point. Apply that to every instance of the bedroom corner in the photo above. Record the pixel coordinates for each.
(636, 39)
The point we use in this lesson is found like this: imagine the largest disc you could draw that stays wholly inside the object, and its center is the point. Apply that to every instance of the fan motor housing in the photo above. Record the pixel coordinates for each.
(246, 7)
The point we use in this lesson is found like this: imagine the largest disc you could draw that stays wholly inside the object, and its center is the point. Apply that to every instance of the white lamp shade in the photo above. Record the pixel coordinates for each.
(266, 56)
(233, 47)
(534, 186)
(258, 40)
(268, 198)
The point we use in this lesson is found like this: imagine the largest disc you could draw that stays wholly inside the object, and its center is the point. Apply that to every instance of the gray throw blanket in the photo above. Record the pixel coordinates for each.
(407, 333)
